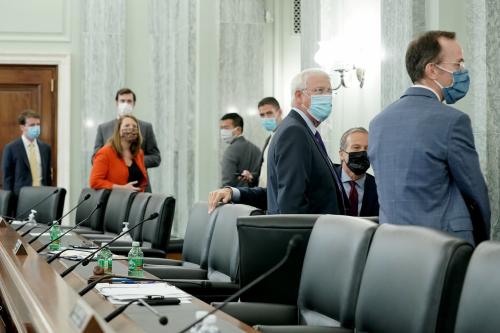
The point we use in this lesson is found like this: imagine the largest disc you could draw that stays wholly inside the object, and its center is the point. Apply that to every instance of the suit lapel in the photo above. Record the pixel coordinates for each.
(22, 152)
(335, 178)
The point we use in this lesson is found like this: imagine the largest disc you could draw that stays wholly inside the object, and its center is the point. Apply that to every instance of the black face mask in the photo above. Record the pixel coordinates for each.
(358, 162)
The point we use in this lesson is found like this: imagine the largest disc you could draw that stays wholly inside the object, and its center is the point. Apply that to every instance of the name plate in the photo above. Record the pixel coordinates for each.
(83, 319)
(19, 249)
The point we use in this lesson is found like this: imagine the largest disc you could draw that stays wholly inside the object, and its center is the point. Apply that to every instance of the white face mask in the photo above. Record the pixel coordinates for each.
(124, 109)
(226, 135)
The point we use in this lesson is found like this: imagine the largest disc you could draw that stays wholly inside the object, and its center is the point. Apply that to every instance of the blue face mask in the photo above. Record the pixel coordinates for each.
(33, 132)
(268, 123)
(321, 107)
(458, 88)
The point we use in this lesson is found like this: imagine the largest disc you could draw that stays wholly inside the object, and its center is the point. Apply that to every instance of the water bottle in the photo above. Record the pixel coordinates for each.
(127, 236)
(135, 260)
(209, 325)
(105, 260)
(55, 232)
(31, 218)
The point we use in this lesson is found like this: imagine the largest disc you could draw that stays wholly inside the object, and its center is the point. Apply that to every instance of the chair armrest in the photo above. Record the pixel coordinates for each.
(262, 313)
(301, 329)
(176, 272)
(162, 261)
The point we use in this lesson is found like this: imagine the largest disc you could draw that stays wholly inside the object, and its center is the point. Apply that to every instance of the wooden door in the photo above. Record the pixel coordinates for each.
(29, 87)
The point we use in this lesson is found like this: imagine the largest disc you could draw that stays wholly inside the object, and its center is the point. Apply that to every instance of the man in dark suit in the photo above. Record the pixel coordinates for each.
(359, 187)
(241, 154)
(301, 178)
(423, 152)
(26, 161)
(125, 101)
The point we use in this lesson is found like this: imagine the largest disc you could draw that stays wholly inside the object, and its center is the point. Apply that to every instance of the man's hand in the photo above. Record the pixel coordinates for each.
(223, 195)
(246, 176)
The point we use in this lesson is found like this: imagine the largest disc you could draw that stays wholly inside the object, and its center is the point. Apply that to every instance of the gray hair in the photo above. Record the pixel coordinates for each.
(299, 81)
(343, 139)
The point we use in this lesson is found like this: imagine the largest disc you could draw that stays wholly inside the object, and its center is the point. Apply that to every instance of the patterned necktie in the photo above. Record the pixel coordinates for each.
(353, 199)
(35, 171)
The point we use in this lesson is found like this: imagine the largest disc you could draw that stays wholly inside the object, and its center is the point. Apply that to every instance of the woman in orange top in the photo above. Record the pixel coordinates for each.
(120, 163)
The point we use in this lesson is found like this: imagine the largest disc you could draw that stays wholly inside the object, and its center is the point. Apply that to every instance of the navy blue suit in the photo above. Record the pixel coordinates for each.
(427, 168)
(301, 178)
(16, 167)
(253, 196)
(369, 206)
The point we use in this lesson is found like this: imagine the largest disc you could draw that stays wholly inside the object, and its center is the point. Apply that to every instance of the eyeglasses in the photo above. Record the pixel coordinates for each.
(320, 91)
(461, 64)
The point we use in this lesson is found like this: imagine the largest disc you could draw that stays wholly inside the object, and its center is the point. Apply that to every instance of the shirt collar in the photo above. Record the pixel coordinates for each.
(307, 120)
(345, 178)
(428, 88)
(27, 142)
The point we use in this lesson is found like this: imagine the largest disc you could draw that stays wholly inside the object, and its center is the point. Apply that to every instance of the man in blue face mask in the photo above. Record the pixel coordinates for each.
(301, 178)
(422, 150)
(270, 117)
(26, 160)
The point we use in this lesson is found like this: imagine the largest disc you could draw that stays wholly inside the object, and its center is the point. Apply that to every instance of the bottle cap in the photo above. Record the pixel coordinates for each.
(136, 244)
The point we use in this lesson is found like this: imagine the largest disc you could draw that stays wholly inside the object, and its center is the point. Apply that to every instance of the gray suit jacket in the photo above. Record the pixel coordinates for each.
(240, 155)
(152, 157)
(426, 166)
(300, 176)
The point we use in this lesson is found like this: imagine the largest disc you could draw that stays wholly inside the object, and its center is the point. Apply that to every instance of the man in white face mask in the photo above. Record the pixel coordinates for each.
(125, 102)
(240, 155)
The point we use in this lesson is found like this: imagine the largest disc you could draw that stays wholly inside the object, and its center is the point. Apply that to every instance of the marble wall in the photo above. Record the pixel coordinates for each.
(482, 54)
(241, 63)
(173, 94)
(102, 67)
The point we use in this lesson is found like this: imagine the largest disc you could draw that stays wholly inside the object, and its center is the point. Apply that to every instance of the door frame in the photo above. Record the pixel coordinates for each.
(63, 63)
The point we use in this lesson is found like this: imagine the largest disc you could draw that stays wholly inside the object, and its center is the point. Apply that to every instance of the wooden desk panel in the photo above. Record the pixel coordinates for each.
(135, 317)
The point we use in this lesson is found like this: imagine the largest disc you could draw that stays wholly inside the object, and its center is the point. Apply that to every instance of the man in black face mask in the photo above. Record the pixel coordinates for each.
(359, 187)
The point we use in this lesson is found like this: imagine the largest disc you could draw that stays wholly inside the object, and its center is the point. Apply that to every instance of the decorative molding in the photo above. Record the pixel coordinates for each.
(63, 62)
(35, 35)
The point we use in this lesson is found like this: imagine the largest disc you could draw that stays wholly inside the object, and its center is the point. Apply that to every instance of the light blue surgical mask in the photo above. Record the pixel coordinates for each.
(458, 88)
(268, 123)
(33, 132)
(321, 107)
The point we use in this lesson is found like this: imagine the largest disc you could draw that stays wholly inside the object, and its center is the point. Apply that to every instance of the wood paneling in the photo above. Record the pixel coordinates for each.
(29, 87)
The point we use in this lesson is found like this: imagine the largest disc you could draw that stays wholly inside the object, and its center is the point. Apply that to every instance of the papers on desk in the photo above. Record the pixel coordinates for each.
(121, 293)
(80, 254)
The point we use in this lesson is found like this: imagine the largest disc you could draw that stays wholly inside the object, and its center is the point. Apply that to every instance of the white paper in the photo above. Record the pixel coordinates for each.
(119, 293)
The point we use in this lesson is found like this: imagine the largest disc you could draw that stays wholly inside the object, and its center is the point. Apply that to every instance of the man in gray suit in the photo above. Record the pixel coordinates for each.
(422, 151)
(240, 155)
(125, 101)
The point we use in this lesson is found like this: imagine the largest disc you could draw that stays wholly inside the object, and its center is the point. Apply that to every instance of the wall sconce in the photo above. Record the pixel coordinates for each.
(335, 56)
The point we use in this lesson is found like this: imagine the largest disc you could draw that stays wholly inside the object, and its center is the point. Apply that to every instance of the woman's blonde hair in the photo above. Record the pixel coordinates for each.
(115, 140)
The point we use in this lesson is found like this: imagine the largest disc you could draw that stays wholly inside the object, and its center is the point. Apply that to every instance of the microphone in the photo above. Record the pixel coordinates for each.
(162, 319)
(293, 243)
(36, 205)
(99, 205)
(87, 196)
(86, 260)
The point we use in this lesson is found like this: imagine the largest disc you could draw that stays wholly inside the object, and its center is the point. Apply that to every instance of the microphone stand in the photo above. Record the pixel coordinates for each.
(56, 222)
(294, 242)
(99, 205)
(162, 319)
(86, 260)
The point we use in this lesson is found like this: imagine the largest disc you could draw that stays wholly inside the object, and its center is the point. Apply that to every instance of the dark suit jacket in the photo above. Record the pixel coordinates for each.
(253, 196)
(369, 206)
(16, 167)
(301, 178)
(152, 157)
